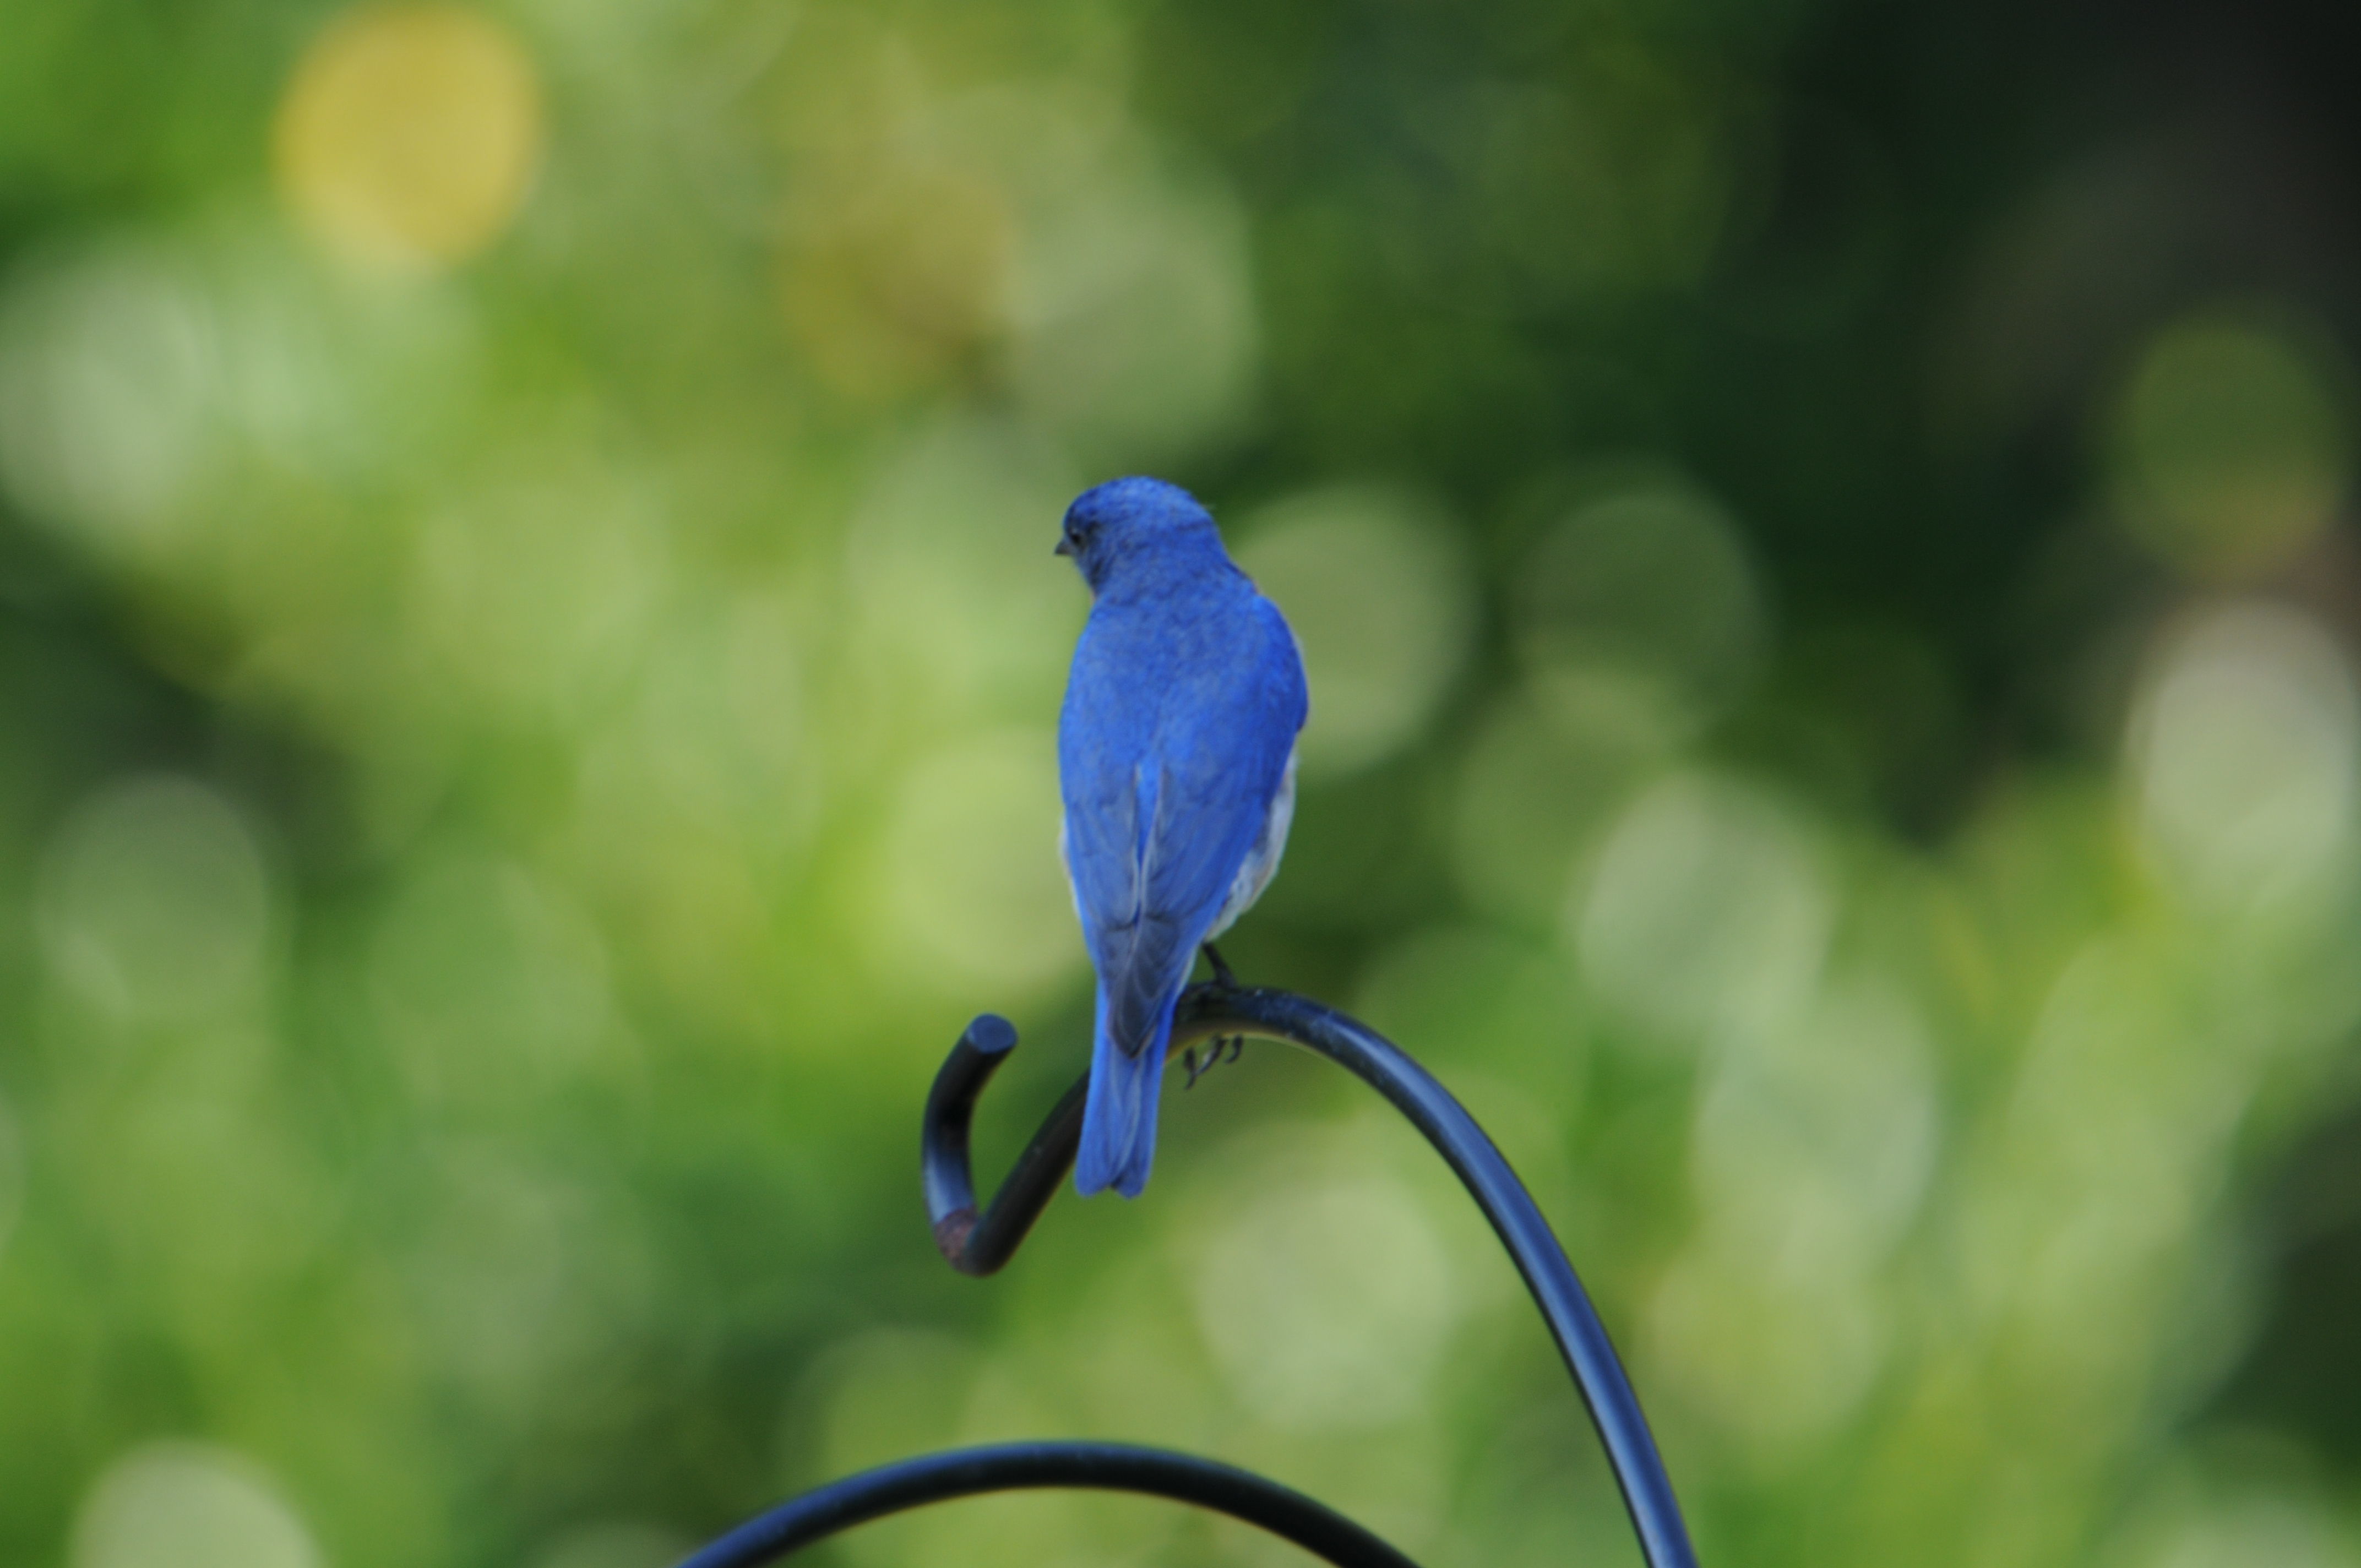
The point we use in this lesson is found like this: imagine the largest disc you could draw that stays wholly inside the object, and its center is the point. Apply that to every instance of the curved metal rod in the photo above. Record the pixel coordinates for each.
(1011, 1466)
(979, 1245)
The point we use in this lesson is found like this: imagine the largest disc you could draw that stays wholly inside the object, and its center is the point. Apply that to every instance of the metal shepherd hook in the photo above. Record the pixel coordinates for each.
(980, 1240)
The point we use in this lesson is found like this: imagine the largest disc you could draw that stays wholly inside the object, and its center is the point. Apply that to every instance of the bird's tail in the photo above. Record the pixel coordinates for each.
(1119, 1115)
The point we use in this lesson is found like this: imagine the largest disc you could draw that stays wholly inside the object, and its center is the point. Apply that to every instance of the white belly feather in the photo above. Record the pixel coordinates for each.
(1262, 860)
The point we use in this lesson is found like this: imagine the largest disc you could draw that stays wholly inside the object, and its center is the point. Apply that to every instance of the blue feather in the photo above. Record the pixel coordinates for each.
(1119, 1113)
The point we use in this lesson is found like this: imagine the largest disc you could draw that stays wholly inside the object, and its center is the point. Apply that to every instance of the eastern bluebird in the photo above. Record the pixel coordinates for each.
(1176, 754)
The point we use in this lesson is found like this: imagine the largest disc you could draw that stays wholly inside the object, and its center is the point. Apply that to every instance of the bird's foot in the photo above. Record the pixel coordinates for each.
(1222, 975)
(1212, 1058)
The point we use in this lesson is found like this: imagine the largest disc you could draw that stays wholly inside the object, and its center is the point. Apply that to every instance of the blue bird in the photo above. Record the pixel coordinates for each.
(1176, 756)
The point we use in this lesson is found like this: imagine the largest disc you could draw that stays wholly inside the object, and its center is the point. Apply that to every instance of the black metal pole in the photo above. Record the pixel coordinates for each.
(1099, 1466)
(979, 1243)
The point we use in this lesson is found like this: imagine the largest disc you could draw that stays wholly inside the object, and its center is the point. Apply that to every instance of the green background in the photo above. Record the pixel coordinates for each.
(529, 654)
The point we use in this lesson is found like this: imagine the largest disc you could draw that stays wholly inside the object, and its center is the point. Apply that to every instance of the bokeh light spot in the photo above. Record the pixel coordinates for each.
(715, 734)
(488, 984)
(1776, 1353)
(191, 1506)
(521, 1275)
(2281, 1525)
(955, 593)
(2233, 445)
(2243, 742)
(1531, 794)
(903, 283)
(1136, 336)
(410, 134)
(2115, 1106)
(1821, 1136)
(154, 902)
(1814, 1143)
(106, 383)
(972, 880)
(1642, 603)
(1706, 914)
(540, 591)
(1380, 602)
(1328, 1304)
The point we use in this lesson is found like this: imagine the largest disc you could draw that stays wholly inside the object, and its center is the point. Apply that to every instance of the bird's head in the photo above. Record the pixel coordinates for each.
(1123, 519)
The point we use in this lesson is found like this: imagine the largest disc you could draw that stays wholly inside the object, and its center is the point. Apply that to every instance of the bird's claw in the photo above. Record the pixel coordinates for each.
(1198, 1067)
(1212, 1058)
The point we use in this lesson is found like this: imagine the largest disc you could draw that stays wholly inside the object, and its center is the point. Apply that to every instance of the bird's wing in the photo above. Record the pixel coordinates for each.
(1167, 792)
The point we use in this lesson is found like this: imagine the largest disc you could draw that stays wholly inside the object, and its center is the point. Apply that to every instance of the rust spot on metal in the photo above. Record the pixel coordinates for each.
(952, 1231)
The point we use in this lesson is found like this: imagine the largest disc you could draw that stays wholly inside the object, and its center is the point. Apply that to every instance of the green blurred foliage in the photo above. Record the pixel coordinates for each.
(528, 660)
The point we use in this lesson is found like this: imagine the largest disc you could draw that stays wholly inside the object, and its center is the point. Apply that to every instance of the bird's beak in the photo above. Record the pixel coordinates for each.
(1065, 546)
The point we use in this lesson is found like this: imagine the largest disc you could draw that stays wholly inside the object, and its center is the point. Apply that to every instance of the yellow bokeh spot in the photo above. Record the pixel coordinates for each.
(903, 285)
(409, 135)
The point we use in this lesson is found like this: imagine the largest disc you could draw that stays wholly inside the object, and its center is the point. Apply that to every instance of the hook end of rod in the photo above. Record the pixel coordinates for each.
(951, 1233)
(989, 1035)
